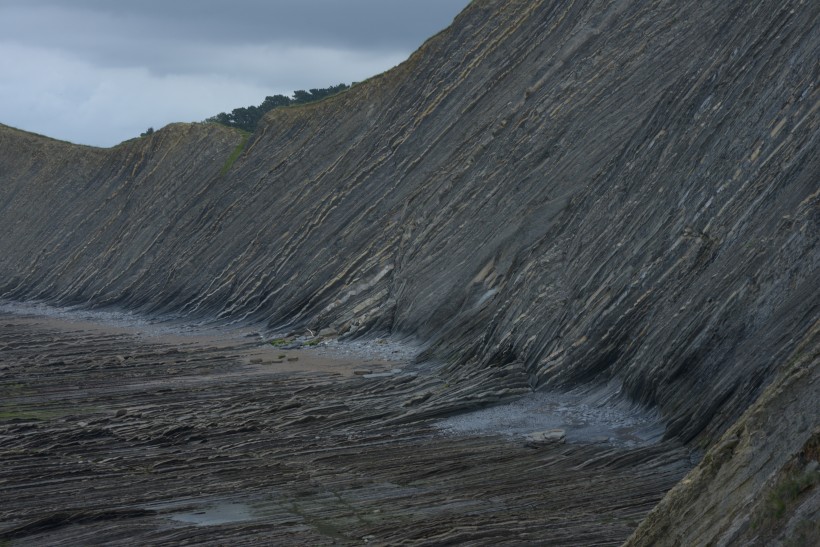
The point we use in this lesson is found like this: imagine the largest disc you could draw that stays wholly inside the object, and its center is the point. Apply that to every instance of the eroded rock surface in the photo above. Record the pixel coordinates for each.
(109, 437)
(591, 189)
(547, 195)
(759, 484)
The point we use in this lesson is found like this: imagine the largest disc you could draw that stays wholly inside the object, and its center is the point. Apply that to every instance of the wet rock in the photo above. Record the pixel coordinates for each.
(222, 455)
(542, 438)
(599, 439)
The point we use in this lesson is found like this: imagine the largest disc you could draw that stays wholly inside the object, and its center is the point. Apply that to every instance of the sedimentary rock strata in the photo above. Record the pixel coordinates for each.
(548, 195)
(108, 436)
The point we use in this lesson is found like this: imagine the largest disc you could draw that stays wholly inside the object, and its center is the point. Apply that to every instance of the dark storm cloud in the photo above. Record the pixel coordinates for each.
(100, 71)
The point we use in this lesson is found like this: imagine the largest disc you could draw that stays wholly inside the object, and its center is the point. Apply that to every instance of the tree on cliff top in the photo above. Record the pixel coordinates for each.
(248, 117)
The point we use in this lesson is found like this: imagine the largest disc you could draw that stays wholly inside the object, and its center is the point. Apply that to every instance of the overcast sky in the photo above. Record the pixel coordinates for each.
(102, 71)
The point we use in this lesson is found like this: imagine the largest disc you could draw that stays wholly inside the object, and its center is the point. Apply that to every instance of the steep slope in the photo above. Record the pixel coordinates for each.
(749, 490)
(585, 192)
(82, 222)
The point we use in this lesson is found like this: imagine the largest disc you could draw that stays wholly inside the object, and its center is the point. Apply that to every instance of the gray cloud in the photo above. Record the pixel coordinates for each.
(355, 23)
(97, 71)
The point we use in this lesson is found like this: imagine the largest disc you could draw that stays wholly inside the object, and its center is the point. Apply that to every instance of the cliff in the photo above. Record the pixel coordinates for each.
(574, 193)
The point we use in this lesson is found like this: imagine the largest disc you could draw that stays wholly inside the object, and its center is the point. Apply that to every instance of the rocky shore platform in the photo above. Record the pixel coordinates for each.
(124, 434)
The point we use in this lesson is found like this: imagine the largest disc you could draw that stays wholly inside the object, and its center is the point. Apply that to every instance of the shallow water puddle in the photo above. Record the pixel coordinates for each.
(214, 515)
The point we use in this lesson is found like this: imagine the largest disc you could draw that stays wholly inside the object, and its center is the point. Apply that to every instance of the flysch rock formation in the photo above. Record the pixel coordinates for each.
(547, 195)
(112, 437)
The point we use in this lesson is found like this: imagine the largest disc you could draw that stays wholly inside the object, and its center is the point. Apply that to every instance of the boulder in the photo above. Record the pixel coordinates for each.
(541, 438)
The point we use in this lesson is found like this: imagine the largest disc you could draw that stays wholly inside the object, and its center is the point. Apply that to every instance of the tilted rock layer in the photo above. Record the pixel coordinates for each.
(599, 192)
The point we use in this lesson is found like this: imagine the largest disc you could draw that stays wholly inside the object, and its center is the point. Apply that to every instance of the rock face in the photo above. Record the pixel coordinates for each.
(566, 192)
(745, 492)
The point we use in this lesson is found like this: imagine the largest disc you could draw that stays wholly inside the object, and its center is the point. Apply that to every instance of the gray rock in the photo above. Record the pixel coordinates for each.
(618, 190)
(541, 438)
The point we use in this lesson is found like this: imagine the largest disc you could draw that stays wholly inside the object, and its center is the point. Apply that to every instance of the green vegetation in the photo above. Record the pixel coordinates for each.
(235, 154)
(805, 532)
(787, 490)
(148, 132)
(246, 118)
(279, 342)
(793, 483)
(14, 413)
